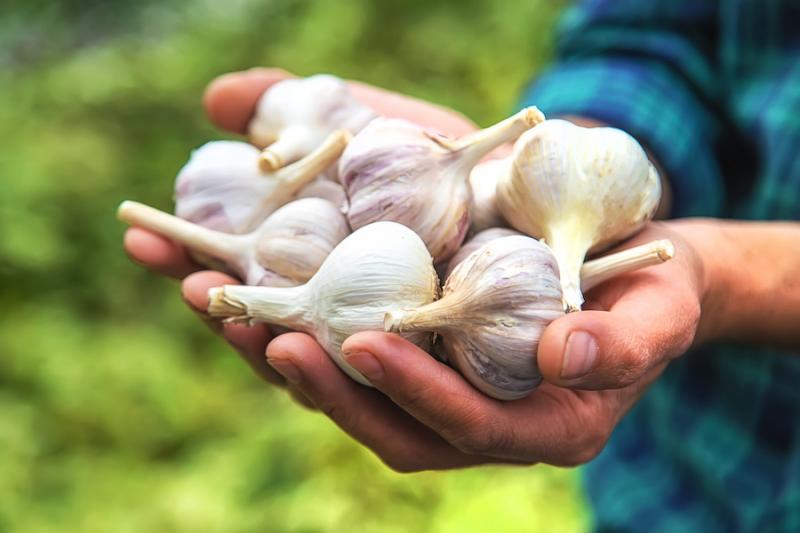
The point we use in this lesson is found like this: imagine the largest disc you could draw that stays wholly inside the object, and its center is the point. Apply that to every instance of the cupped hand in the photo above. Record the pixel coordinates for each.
(230, 102)
(596, 364)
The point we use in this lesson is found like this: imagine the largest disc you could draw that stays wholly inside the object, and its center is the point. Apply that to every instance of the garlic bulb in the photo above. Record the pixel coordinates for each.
(395, 170)
(476, 242)
(496, 304)
(327, 189)
(378, 267)
(581, 189)
(293, 117)
(483, 179)
(285, 250)
(222, 188)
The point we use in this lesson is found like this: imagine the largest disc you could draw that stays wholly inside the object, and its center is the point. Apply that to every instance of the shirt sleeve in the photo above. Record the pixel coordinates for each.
(630, 67)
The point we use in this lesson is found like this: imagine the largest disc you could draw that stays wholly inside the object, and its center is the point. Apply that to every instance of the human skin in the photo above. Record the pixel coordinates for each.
(596, 364)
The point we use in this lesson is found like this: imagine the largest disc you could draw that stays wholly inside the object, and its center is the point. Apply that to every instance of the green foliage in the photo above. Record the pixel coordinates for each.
(118, 410)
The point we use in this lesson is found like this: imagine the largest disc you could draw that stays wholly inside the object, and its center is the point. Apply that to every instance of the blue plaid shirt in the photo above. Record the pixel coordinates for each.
(712, 89)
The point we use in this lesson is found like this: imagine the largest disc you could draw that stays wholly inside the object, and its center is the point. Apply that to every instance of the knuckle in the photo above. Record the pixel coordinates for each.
(337, 412)
(416, 398)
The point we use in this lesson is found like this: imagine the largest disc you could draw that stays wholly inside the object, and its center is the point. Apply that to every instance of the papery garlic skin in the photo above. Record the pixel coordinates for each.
(293, 117)
(395, 170)
(222, 188)
(285, 250)
(494, 307)
(581, 189)
(378, 267)
(326, 189)
(477, 241)
(483, 179)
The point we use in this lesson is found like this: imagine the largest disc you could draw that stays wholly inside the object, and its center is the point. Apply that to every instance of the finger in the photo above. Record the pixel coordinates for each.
(158, 253)
(431, 392)
(298, 396)
(250, 342)
(653, 320)
(368, 416)
(396, 105)
(230, 100)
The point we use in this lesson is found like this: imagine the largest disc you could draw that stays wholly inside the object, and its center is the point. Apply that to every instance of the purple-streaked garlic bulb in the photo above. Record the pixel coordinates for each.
(498, 301)
(395, 170)
(222, 188)
(285, 250)
(293, 117)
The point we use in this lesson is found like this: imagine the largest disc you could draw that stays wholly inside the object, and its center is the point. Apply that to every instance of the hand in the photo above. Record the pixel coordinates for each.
(230, 102)
(423, 415)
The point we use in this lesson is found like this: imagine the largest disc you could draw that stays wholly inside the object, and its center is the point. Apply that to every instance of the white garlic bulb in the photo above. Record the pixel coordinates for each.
(581, 189)
(395, 170)
(327, 189)
(293, 117)
(478, 240)
(496, 304)
(483, 211)
(222, 188)
(378, 267)
(285, 250)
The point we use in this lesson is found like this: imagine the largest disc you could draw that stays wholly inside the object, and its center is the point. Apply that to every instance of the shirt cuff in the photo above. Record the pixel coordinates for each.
(655, 105)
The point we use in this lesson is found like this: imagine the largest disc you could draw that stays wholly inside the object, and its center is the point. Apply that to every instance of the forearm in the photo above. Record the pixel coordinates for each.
(751, 278)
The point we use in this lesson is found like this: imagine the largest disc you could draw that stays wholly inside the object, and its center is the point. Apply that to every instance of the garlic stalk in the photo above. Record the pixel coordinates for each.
(483, 179)
(378, 267)
(581, 189)
(395, 170)
(222, 188)
(293, 117)
(498, 301)
(285, 250)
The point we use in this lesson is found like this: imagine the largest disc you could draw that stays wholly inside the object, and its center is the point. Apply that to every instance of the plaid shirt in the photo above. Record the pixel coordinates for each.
(712, 89)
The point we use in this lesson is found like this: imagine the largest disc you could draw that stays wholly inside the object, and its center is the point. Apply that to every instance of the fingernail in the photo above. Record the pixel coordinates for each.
(579, 355)
(366, 363)
(286, 369)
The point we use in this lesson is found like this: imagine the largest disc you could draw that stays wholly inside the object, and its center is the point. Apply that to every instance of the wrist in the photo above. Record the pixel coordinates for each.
(711, 254)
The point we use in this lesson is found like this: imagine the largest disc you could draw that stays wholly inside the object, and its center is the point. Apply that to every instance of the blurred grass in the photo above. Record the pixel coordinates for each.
(118, 410)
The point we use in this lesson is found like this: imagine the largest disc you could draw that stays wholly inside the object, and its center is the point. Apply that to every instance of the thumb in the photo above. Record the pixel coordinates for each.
(603, 350)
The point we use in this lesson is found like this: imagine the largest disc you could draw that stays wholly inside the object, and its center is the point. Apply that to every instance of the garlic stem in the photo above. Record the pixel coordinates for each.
(280, 306)
(302, 172)
(481, 142)
(290, 146)
(569, 246)
(599, 270)
(443, 314)
(224, 246)
(436, 316)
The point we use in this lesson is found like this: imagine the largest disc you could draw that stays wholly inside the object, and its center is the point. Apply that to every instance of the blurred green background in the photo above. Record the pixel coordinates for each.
(119, 411)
